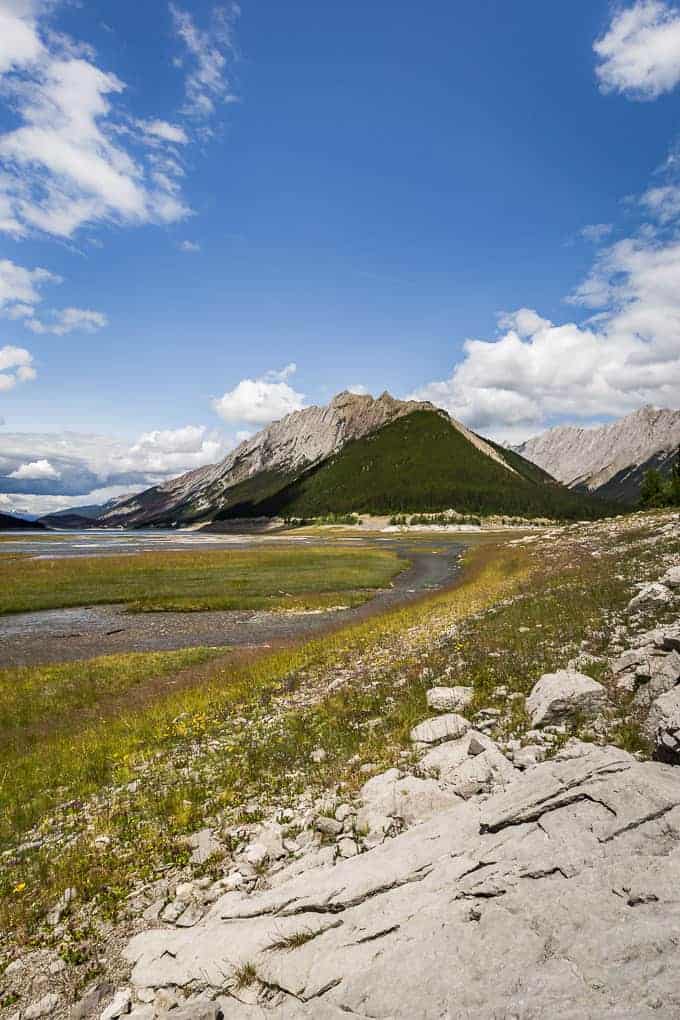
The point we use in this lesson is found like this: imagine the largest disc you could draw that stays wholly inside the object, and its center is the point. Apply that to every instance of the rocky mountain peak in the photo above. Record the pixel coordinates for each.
(592, 457)
(300, 439)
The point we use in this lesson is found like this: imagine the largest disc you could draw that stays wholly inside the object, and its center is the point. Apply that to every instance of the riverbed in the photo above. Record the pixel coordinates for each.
(61, 635)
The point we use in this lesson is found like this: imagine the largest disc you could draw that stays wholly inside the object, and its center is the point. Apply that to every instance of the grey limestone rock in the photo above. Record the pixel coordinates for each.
(43, 1007)
(663, 726)
(121, 1004)
(437, 730)
(564, 695)
(672, 577)
(651, 594)
(449, 699)
(556, 897)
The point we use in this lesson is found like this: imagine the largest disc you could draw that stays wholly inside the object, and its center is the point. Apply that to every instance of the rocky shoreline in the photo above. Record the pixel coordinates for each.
(512, 861)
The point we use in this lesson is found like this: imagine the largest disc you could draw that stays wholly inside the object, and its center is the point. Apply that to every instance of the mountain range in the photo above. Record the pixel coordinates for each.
(10, 522)
(362, 455)
(608, 460)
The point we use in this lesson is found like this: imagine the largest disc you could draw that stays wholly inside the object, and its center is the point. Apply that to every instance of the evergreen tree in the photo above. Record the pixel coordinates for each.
(652, 489)
(674, 488)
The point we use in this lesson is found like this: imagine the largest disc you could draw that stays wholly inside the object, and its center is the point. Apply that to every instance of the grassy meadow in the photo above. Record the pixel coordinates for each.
(299, 577)
(44, 783)
(199, 753)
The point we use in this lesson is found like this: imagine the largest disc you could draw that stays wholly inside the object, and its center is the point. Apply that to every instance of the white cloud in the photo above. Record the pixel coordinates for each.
(359, 389)
(259, 401)
(596, 232)
(161, 129)
(29, 503)
(34, 470)
(538, 371)
(84, 462)
(20, 286)
(189, 246)
(175, 450)
(640, 51)
(19, 44)
(20, 292)
(16, 366)
(69, 320)
(626, 354)
(663, 202)
(206, 83)
(65, 164)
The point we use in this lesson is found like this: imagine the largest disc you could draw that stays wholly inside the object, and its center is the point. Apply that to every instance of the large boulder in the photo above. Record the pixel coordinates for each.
(440, 729)
(663, 673)
(649, 670)
(556, 898)
(663, 726)
(651, 594)
(406, 800)
(565, 696)
(671, 578)
(467, 766)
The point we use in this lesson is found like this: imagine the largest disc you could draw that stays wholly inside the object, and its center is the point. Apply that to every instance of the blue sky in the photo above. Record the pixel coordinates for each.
(211, 216)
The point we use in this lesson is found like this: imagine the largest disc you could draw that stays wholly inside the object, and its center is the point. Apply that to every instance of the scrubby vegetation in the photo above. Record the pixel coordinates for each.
(417, 464)
(345, 520)
(444, 520)
(306, 577)
(242, 741)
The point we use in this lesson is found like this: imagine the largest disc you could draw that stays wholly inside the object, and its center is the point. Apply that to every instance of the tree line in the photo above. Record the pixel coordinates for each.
(658, 491)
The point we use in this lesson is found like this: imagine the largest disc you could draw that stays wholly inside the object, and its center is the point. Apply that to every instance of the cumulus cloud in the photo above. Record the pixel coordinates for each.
(29, 503)
(626, 351)
(34, 470)
(639, 53)
(537, 371)
(166, 451)
(19, 43)
(65, 164)
(74, 465)
(189, 246)
(624, 354)
(206, 58)
(16, 366)
(259, 401)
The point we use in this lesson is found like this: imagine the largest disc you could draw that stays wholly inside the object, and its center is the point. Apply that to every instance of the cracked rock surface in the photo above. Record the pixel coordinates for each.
(559, 896)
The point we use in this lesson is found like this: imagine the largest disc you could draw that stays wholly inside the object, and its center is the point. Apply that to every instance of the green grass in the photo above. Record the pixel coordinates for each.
(39, 702)
(417, 463)
(176, 731)
(301, 577)
(202, 753)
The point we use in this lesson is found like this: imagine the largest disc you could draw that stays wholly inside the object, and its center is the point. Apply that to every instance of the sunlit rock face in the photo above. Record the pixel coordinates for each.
(611, 459)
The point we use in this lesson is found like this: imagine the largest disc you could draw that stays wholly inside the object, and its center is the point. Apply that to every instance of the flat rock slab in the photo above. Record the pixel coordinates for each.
(558, 897)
